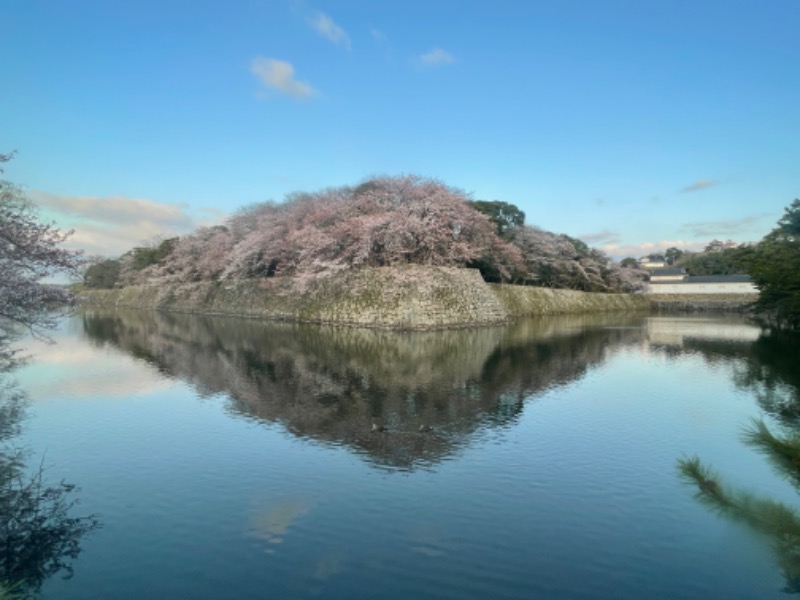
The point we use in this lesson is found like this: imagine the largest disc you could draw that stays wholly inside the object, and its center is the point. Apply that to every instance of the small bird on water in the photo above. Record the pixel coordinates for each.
(376, 427)
(425, 428)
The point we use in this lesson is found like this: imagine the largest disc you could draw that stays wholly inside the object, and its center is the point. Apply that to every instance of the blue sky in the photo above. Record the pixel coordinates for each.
(632, 124)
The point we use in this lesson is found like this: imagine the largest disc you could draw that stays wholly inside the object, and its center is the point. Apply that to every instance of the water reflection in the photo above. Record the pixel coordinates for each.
(778, 521)
(540, 431)
(431, 392)
(764, 364)
(767, 368)
(272, 523)
(39, 535)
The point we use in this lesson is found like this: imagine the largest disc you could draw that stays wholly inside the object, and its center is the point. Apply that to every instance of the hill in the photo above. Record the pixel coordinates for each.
(382, 222)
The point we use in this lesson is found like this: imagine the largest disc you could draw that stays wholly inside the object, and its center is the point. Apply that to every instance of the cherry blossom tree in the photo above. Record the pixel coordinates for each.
(560, 261)
(30, 251)
(383, 221)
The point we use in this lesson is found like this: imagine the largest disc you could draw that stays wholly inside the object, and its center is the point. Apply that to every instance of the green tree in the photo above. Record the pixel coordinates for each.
(731, 260)
(103, 274)
(629, 263)
(789, 223)
(504, 215)
(144, 256)
(716, 246)
(673, 254)
(775, 269)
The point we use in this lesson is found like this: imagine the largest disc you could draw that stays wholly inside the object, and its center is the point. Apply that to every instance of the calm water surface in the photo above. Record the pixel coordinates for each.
(231, 458)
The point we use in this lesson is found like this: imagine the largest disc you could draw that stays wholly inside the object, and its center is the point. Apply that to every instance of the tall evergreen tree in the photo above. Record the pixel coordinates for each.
(775, 268)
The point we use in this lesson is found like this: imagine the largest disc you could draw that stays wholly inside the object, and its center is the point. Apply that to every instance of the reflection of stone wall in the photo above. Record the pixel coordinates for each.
(765, 367)
(666, 330)
(331, 384)
(411, 297)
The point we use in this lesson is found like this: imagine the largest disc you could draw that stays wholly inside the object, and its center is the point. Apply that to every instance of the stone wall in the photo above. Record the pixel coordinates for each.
(521, 301)
(411, 297)
(732, 303)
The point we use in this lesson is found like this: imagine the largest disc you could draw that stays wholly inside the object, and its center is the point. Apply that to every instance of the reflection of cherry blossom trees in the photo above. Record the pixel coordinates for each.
(385, 221)
(331, 383)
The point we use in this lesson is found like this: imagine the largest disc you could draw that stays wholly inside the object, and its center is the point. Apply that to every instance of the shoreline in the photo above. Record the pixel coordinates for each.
(397, 298)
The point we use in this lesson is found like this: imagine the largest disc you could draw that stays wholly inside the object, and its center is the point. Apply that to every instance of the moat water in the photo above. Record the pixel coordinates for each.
(231, 458)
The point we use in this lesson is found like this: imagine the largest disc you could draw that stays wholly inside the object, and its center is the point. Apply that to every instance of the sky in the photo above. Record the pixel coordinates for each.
(635, 125)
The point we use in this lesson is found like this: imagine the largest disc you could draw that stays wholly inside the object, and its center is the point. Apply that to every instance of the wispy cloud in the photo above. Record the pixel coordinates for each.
(279, 75)
(724, 227)
(436, 58)
(327, 28)
(115, 210)
(700, 184)
(378, 35)
(382, 42)
(113, 225)
(601, 237)
(620, 251)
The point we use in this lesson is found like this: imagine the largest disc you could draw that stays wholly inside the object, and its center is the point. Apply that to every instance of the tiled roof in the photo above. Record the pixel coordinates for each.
(660, 272)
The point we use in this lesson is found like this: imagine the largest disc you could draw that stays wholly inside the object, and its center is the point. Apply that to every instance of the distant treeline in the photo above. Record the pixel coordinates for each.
(717, 258)
(773, 263)
(384, 221)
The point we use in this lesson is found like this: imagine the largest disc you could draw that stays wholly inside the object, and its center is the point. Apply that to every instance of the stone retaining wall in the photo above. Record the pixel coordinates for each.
(411, 297)
(521, 301)
(738, 303)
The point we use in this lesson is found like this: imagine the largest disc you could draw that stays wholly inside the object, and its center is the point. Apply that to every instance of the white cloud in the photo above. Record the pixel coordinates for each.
(279, 75)
(328, 29)
(600, 237)
(113, 241)
(115, 210)
(378, 35)
(436, 58)
(85, 372)
(382, 42)
(700, 184)
(113, 225)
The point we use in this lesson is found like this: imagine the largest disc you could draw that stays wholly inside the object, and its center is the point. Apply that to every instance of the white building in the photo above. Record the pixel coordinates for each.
(646, 263)
(709, 284)
(667, 275)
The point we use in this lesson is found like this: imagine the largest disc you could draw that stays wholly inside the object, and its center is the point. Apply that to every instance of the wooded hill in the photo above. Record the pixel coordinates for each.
(383, 221)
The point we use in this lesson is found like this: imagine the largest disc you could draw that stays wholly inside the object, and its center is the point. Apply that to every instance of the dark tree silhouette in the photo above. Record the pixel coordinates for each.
(39, 535)
(775, 268)
(779, 522)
